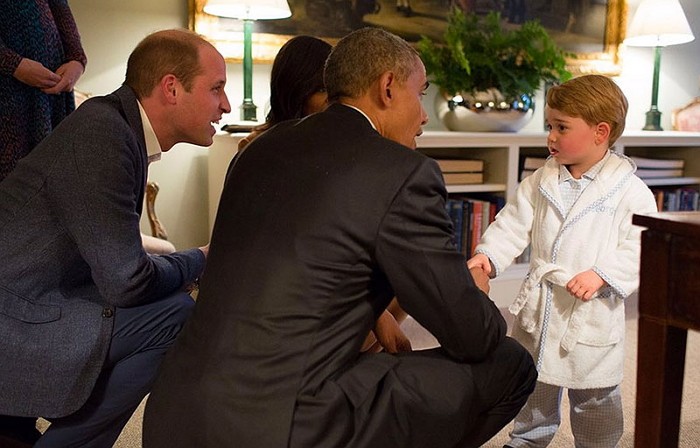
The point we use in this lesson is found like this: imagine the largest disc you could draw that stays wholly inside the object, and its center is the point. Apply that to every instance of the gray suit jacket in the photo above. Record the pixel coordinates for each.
(320, 223)
(71, 253)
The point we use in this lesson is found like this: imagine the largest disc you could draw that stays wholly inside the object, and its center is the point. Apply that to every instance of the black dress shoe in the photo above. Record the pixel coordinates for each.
(7, 441)
(18, 432)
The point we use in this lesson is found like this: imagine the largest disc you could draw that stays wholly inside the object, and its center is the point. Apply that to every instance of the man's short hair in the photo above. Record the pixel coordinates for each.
(593, 98)
(361, 57)
(164, 52)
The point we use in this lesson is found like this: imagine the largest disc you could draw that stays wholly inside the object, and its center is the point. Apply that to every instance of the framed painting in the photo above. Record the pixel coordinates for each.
(592, 30)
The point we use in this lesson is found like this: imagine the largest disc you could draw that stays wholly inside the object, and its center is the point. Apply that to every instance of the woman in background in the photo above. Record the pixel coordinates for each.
(296, 83)
(41, 59)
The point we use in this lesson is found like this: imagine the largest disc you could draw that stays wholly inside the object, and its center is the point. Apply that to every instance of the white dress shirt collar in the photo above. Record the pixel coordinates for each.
(153, 150)
(360, 111)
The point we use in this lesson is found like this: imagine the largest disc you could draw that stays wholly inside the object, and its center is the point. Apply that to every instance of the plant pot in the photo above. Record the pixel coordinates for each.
(487, 111)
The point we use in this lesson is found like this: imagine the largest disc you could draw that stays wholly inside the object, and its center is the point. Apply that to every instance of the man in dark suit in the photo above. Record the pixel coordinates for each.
(320, 223)
(85, 314)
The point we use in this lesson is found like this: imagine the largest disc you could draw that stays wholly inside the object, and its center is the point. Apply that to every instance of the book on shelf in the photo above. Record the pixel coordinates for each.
(643, 162)
(497, 202)
(460, 165)
(478, 227)
(470, 215)
(461, 171)
(454, 210)
(656, 173)
(463, 178)
(466, 246)
(530, 165)
(677, 199)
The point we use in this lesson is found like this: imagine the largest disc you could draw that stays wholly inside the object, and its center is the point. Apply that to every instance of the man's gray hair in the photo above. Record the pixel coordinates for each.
(361, 57)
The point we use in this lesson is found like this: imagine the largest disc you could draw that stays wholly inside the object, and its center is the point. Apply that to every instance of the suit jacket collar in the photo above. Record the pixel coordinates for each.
(351, 114)
(130, 106)
(131, 113)
(363, 114)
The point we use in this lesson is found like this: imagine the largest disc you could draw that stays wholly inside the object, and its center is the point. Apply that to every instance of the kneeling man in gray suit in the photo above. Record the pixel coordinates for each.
(85, 314)
(321, 222)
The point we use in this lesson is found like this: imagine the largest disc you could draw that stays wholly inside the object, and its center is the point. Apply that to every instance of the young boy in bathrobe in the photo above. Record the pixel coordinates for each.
(576, 213)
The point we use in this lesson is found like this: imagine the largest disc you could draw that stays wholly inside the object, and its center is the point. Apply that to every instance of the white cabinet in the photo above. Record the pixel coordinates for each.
(221, 152)
(501, 153)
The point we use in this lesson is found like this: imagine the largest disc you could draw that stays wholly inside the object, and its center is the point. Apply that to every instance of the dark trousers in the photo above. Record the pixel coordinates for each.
(420, 399)
(140, 339)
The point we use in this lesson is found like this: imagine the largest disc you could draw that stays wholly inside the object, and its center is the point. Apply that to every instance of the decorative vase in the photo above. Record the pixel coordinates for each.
(487, 111)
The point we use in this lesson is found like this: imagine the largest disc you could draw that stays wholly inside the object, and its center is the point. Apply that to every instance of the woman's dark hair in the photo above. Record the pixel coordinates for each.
(297, 73)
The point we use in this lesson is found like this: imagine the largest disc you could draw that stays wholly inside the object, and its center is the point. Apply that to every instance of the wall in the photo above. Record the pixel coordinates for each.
(679, 80)
(111, 28)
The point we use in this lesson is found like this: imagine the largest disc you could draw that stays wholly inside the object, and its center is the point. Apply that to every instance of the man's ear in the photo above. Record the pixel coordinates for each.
(386, 84)
(169, 87)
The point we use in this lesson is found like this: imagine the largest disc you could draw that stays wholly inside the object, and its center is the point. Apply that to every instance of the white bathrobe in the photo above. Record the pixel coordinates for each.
(582, 342)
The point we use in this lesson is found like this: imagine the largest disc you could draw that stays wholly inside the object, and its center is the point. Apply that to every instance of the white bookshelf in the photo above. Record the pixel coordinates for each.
(501, 153)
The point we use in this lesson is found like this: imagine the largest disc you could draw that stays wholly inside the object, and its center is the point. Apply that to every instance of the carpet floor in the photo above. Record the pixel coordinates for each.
(690, 413)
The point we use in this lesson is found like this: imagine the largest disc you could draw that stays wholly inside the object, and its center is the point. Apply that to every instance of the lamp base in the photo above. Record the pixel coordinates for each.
(249, 111)
(653, 121)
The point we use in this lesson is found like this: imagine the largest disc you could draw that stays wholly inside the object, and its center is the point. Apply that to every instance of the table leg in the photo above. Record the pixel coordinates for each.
(660, 364)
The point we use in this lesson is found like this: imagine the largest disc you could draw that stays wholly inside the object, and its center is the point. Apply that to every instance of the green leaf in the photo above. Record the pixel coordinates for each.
(479, 53)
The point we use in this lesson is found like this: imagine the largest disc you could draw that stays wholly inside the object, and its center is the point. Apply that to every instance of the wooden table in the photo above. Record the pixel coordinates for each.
(669, 305)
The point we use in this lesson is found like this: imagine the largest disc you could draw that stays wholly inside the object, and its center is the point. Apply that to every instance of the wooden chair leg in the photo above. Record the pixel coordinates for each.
(157, 229)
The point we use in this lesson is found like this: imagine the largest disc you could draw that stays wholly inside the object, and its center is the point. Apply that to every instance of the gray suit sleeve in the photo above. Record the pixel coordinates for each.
(97, 200)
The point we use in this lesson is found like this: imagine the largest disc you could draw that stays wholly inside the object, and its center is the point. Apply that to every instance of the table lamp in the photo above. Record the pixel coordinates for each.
(658, 23)
(248, 11)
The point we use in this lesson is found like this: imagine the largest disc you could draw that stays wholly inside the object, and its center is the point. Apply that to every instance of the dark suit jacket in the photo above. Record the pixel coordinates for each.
(71, 252)
(320, 223)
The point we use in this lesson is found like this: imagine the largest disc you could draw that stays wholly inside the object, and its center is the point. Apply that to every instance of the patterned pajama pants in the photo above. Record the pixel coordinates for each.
(595, 414)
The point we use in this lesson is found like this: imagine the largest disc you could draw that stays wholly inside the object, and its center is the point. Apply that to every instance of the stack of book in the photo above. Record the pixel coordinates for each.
(677, 199)
(530, 165)
(461, 171)
(658, 168)
(470, 216)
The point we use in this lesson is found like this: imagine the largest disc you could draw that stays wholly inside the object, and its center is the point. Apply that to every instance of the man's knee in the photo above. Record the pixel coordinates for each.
(180, 307)
(155, 325)
(521, 366)
(176, 310)
(509, 372)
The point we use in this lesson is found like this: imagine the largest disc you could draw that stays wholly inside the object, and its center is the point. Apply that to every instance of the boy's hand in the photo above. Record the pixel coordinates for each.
(584, 285)
(480, 261)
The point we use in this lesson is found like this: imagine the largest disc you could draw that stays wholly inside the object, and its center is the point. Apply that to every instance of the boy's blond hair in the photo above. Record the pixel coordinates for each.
(593, 98)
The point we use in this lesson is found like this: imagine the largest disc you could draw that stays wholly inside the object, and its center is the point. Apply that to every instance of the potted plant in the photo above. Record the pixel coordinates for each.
(483, 67)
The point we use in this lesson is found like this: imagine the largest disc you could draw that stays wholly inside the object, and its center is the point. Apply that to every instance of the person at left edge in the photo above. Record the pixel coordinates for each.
(85, 314)
(41, 60)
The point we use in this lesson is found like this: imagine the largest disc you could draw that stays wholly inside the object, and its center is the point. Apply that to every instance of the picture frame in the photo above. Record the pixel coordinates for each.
(595, 48)
(687, 118)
